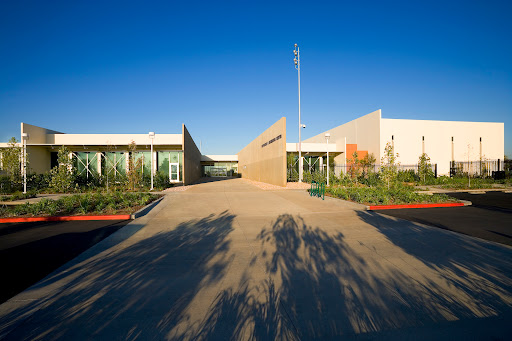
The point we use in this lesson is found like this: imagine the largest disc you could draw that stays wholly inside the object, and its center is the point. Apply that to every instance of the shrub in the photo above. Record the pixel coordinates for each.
(161, 180)
(63, 175)
(81, 204)
(425, 168)
(91, 183)
(407, 176)
(6, 186)
(39, 182)
(11, 162)
(372, 179)
(383, 196)
(293, 175)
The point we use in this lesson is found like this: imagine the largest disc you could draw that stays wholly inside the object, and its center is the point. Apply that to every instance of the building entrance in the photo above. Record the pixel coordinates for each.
(174, 173)
(218, 171)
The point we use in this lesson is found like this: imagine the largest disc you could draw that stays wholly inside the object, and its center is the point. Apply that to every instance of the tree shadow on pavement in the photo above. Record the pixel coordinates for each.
(140, 291)
(324, 286)
(299, 282)
(482, 269)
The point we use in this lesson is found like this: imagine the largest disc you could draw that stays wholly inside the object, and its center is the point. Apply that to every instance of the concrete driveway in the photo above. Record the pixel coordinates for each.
(226, 260)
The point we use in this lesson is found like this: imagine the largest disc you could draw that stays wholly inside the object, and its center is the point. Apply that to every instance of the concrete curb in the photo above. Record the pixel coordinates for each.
(143, 211)
(67, 218)
(394, 207)
(358, 206)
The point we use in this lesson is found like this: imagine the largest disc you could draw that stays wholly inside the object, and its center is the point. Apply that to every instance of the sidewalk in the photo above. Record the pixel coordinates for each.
(38, 198)
(228, 260)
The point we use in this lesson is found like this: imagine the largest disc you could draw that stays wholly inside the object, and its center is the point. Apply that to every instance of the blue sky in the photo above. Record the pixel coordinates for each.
(225, 68)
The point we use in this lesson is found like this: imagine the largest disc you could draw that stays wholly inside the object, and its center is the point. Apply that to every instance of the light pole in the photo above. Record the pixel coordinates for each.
(152, 137)
(297, 67)
(24, 137)
(327, 136)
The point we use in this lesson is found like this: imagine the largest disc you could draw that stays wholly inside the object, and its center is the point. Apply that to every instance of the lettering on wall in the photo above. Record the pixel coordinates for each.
(278, 137)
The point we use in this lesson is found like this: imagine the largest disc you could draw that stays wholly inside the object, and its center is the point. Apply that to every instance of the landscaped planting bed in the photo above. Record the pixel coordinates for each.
(82, 204)
(383, 196)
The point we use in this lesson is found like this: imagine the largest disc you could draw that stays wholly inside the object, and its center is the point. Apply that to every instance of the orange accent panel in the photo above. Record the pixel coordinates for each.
(351, 148)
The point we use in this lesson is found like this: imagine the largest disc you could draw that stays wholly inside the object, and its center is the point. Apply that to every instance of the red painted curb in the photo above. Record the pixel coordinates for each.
(67, 218)
(392, 207)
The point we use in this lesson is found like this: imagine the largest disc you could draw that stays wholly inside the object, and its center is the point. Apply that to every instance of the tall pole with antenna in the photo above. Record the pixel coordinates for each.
(297, 67)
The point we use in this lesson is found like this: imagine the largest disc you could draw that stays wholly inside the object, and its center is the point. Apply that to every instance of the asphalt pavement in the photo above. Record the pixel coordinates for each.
(489, 217)
(30, 251)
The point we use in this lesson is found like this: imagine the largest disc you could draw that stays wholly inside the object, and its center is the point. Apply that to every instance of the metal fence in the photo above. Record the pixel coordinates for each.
(350, 169)
(483, 168)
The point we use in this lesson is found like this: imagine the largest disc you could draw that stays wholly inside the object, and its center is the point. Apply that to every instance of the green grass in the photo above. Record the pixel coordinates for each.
(384, 196)
(97, 203)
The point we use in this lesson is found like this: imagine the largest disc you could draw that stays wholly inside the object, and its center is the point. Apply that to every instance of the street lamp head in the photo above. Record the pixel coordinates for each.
(24, 136)
(295, 45)
(327, 135)
(151, 135)
(303, 126)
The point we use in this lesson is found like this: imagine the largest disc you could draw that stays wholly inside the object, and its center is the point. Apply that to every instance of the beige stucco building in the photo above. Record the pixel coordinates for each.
(442, 141)
(269, 157)
(94, 154)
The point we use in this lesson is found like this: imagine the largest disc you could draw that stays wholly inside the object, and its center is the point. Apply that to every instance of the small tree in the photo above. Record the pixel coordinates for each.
(469, 164)
(11, 161)
(367, 164)
(389, 165)
(354, 165)
(424, 167)
(63, 175)
(134, 172)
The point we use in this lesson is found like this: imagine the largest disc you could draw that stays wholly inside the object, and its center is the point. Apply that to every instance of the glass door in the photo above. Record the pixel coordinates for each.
(174, 173)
